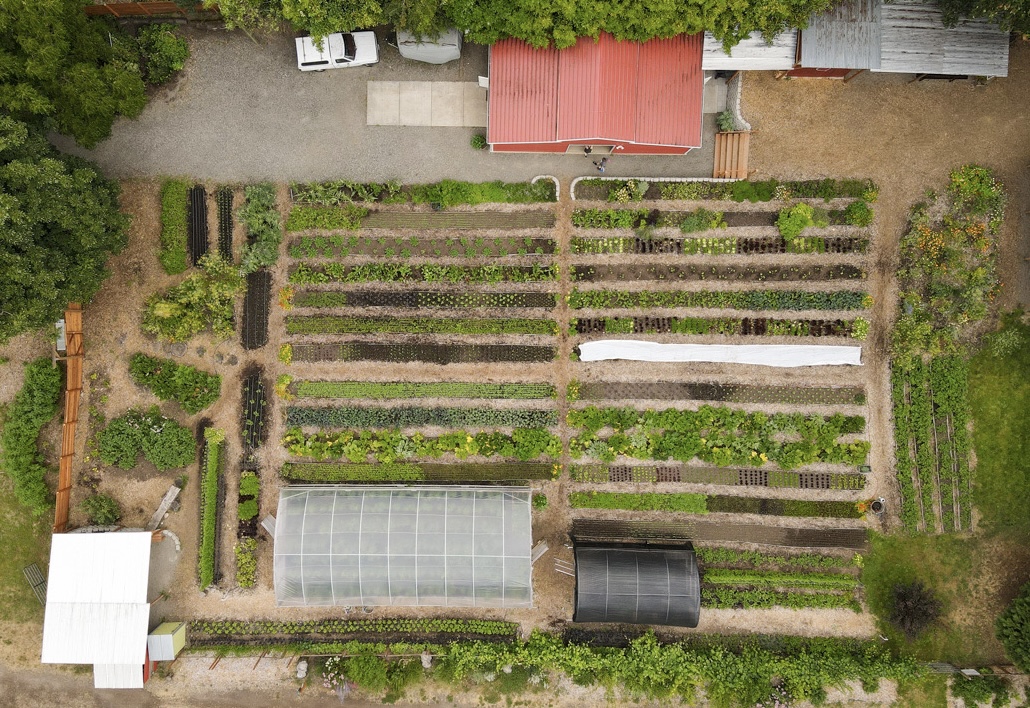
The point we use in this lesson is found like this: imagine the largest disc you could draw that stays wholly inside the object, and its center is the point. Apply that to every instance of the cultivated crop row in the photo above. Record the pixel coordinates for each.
(339, 246)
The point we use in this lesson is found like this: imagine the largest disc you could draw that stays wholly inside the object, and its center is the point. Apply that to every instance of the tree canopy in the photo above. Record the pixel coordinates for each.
(59, 222)
(1011, 15)
(62, 66)
(540, 22)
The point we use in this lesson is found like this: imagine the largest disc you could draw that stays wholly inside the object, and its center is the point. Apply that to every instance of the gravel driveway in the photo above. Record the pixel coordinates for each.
(243, 112)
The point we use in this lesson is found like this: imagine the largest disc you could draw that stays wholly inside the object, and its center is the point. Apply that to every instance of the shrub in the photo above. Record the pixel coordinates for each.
(914, 608)
(984, 689)
(248, 510)
(174, 198)
(202, 301)
(793, 220)
(478, 142)
(101, 509)
(32, 408)
(1013, 629)
(163, 52)
(191, 388)
(726, 121)
(858, 213)
(539, 501)
(368, 672)
(162, 441)
(743, 190)
(260, 216)
(246, 562)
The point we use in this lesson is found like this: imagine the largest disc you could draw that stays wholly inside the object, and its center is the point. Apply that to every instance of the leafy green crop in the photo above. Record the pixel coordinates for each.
(419, 417)
(740, 300)
(174, 198)
(435, 389)
(333, 324)
(162, 441)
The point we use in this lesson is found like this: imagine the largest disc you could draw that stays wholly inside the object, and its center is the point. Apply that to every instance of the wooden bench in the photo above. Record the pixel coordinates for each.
(36, 581)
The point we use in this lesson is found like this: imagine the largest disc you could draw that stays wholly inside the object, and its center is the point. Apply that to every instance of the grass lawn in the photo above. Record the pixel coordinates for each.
(999, 397)
(25, 540)
(975, 577)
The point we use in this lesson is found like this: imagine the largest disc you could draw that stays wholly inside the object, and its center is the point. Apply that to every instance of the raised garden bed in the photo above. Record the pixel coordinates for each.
(746, 326)
(746, 477)
(220, 632)
(212, 501)
(315, 274)
(389, 446)
(226, 223)
(254, 411)
(334, 324)
(414, 417)
(329, 473)
(744, 190)
(435, 389)
(256, 304)
(602, 273)
(704, 391)
(720, 245)
(197, 223)
(727, 299)
(427, 353)
(441, 194)
(415, 247)
(420, 299)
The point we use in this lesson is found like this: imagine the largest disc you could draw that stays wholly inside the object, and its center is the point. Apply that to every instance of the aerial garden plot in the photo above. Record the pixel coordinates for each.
(380, 376)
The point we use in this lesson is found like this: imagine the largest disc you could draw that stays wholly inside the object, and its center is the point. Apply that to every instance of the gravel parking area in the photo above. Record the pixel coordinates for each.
(242, 111)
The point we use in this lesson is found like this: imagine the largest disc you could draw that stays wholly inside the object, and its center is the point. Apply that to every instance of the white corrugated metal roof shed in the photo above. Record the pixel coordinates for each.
(117, 676)
(96, 610)
(753, 53)
(902, 36)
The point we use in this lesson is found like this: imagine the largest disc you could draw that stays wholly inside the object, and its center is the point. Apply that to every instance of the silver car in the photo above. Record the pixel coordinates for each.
(339, 50)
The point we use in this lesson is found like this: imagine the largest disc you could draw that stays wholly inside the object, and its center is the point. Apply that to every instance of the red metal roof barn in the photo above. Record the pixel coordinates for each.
(639, 98)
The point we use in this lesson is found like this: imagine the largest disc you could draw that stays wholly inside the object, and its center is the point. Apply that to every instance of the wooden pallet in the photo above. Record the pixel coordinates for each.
(731, 155)
(36, 580)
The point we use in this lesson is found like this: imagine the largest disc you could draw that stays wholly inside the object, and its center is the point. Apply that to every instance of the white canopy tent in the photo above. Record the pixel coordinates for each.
(779, 355)
(96, 608)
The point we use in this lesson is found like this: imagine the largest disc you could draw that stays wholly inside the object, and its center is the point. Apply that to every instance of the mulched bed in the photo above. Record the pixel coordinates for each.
(601, 273)
(741, 393)
(197, 223)
(223, 199)
(429, 353)
(702, 530)
(256, 304)
(254, 418)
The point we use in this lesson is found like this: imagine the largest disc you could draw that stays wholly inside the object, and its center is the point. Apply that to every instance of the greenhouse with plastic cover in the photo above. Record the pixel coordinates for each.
(427, 546)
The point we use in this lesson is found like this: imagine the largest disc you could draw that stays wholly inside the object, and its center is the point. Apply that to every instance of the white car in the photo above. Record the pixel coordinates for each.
(339, 50)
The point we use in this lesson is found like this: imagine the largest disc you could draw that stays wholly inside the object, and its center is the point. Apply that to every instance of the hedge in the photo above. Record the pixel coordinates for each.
(32, 408)
(174, 199)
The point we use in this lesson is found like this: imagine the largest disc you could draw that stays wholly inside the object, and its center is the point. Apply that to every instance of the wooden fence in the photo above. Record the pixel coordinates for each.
(141, 9)
(73, 392)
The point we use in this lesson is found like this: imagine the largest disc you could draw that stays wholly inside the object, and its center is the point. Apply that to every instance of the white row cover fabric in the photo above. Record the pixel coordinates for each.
(779, 355)
(428, 546)
(96, 609)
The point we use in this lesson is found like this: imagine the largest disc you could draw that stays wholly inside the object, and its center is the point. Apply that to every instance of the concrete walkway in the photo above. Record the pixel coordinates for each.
(442, 104)
(243, 112)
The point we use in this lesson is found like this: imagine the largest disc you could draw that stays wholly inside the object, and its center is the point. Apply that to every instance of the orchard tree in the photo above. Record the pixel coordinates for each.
(66, 68)
(59, 222)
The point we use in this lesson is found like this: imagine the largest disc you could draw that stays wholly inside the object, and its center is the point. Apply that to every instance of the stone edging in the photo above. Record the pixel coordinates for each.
(572, 187)
(734, 100)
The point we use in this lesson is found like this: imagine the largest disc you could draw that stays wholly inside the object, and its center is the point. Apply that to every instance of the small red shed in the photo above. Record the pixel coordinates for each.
(637, 98)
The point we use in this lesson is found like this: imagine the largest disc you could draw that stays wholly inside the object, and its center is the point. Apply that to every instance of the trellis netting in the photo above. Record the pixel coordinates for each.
(432, 546)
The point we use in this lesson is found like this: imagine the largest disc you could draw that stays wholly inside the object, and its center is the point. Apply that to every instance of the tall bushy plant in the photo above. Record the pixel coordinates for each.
(162, 441)
(191, 388)
(202, 301)
(31, 409)
(260, 216)
(101, 509)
